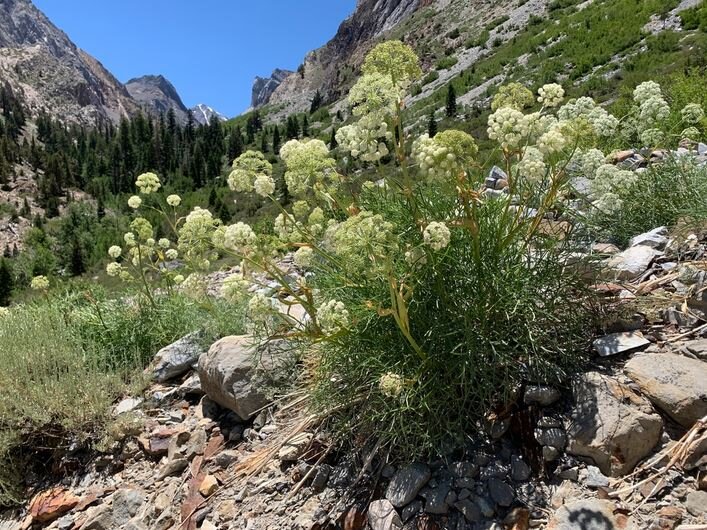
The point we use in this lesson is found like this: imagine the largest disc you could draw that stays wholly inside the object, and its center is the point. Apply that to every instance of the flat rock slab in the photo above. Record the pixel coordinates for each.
(382, 516)
(674, 383)
(632, 262)
(656, 238)
(617, 343)
(177, 358)
(590, 514)
(407, 483)
(611, 424)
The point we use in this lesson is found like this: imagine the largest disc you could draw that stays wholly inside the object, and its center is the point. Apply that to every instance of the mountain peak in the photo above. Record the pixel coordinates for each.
(203, 114)
(157, 95)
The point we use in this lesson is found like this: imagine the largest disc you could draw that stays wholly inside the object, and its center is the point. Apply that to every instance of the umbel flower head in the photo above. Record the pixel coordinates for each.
(40, 283)
(551, 95)
(114, 251)
(391, 385)
(238, 236)
(437, 235)
(692, 113)
(196, 233)
(646, 91)
(246, 169)
(174, 200)
(134, 202)
(333, 317)
(307, 162)
(148, 183)
(532, 165)
(512, 95)
(444, 156)
(509, 127)
(395, 60)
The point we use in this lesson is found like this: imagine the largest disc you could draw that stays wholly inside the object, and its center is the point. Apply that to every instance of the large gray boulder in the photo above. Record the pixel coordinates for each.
(234, 373)
(611, 424)
(177, 358)
(674, 383)
(407, 483)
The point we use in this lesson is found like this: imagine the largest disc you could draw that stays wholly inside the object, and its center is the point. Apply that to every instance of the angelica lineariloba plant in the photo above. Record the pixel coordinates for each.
(429, 299)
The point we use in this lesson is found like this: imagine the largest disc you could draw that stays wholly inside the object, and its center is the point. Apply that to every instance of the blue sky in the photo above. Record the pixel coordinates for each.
(211, 50)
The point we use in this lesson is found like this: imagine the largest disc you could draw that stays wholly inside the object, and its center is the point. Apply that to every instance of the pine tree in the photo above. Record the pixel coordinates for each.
(78, 261)
(235, 144)
(264, 142)
(305, 127)
(276, 140)
(432, 125)
(7, 282)
(317, 101)
(333, 144)
(451, 102)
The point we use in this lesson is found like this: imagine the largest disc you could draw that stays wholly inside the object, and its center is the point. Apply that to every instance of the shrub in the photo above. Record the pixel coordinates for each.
(662, 195)
(446, 63)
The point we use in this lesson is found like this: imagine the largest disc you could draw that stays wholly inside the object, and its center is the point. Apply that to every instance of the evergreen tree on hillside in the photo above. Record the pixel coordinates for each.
(7, 282)
(276, 140)
(292, 128)
(264, 142)
(317, 101)
(451, 102)
(333, 144)
(432, 125)
(235, 144)
(305, 127)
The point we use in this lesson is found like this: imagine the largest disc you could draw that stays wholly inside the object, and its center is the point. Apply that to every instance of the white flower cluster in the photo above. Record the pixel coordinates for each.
(591, 161)
(445, 156)
(604, 124)
(553, 141)
(374, 94)
(573, 109)
(365, 139)
(235, 288)
(436, 235)
(361, 237)
(114, 269)
(652, 137)
(148, 183)
(39, 283)
(238, 236)
(608, 182)
(195, 235)
(654, 110)
(115, 251)
(532, 165)
(391, 385)
(287, 229)
(247, 169)
(646, 91)
(416, 256)
(307, 162)
(691, 133)
(509, 127)
(333, 317)
(551, 95)
(174, 200)
(4, 312)
(692, 113)
(134, 202)
(304, 257)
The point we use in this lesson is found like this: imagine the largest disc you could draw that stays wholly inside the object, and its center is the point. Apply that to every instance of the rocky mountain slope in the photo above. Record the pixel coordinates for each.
(157, 95)
(52, 73)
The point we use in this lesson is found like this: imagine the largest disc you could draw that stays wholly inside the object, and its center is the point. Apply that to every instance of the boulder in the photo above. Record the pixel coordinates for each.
(177, 358)
(611, 424)
(674, 383)
(126, 504)
(233, 373)
(632, 262)
(406, 483)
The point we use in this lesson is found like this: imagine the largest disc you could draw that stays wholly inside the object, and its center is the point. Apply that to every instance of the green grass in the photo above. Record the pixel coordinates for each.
(68, 357)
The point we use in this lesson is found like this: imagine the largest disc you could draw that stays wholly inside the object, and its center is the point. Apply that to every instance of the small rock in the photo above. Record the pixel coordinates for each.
(569, 474)
(617, 343)
(605, 248)
(172, 468)
(656, 238)
(127, 405)
(675, 383)
(501, 492)
(126, 504)
(411, 510)
(550, 454)
(697, 503)
(208, 486)
(595, 478)
(435, 500)
(497, 173)
(469, 510)
(485, 506)
(382, 516)
(632, 262)
(225, 458)
(542, 395)
(295, 447)
(406, 484)
(177, 358)
(321, 478)
(52, 504)
(553, 437)
(520, 471)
